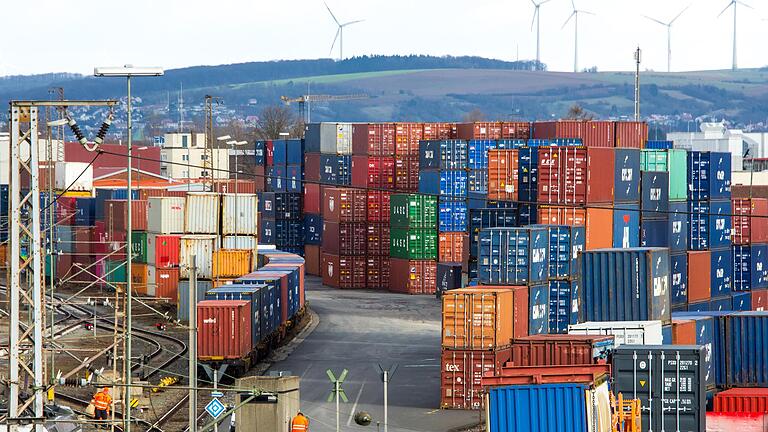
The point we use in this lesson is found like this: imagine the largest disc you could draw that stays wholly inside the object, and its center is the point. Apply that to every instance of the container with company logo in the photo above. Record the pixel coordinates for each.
(224, 329)
(377, 272)
(722, 272)
(513, 256)
(461, 372)
(538, 313)
(627, 175)
(564, 301)
(413, 276)
(750, 267)
(565, 244)
(654, 202)
(413, 211)
(624, 332)
(597, 220)
(709, 224)
(345, 205)
(709, 175)
(573, 175)
(335, 169)
(443, 154)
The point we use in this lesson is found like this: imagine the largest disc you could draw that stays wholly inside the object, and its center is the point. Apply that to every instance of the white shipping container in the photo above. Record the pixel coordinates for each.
(336, 138)
(202, 246)
(624, 332)
(240, 214)
(151, 279)
(74, 176)
(202, 213)
(165, 215)
(243, 242)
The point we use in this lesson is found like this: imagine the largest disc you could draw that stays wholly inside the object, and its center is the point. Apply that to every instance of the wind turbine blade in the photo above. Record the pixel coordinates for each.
(534, 4)
(334, 40)
(726, 8)
(545, 1)
(678, 15)
(569, 18)
(743, 4)
(352, 22)
(655, 20)
(588, 12)
(573, 4)
(533, 20)
(332, 15)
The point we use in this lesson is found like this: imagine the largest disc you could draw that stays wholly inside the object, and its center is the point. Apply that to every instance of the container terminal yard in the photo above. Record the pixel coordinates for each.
(349, 260)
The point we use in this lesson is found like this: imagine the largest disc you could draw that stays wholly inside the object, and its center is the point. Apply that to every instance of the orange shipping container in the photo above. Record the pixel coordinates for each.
(502, 175)
(597, 221)
(453, 247)
(699, 276)
(167, 283)
(140, 278)
(231, 263)
(484, 318)
(631, 134)
(221, 281)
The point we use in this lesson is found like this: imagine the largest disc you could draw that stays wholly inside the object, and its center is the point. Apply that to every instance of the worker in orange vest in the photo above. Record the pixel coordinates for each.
(300, 423)
(102, 401)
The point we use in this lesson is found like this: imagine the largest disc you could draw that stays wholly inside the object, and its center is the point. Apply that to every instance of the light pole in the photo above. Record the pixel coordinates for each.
(225, 138)
(128, 72)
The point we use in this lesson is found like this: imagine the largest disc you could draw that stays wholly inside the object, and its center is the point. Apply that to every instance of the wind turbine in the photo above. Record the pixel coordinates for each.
(339, 33)
(536, 17)
(669, 35)
(734, 3)
(575, 16)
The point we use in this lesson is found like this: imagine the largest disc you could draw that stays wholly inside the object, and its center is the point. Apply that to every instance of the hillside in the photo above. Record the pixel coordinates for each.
(431, 88)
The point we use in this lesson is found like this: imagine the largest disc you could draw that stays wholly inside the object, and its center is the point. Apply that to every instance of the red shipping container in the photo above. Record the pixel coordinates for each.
(65, 209)
(167, 283)
(345, 238)
(527, 375)
(412, 276)
(99, 245)
(699, 273)
(343, 271)
(373, 139)
(167, 249)
(223, 329)
(407, 137)
(630, 134)
(742, 400)
(312, 198)
(377, 237)
(269, 153)
(599, 133)
(376, 172)
(559, 350)
(741, 422)
(407, 173)
(573, 175)
(116, 241)
(516, 130)
(116, 211)
(479, 131)
(750, 220)
(760, 300)
(439, 131)
(683, 332)
(82, 238)
(345, 205)
(377, 272)
(312, 260)
(378, 206)
(461, 373)
(259, 177)
(312, 167)
(559, 129)
(502, 175)
(231, 186)
(453, 247)
(598, 222)
(64, 266)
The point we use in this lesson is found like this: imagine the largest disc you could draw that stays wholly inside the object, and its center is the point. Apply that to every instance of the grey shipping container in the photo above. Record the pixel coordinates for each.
(669, 382)
(182, 302)
(329, 138)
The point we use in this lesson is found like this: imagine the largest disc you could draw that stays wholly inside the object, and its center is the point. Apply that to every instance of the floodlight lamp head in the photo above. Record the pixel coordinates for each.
(223, 138)
(59, 122)
(127, 71)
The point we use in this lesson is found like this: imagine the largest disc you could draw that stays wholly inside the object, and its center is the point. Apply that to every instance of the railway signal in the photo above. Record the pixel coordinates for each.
(337, 392)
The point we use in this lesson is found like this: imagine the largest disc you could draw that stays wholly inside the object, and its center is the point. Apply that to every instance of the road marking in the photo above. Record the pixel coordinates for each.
(354, 406)
(433, 411)
(422, 365)
(306, 370)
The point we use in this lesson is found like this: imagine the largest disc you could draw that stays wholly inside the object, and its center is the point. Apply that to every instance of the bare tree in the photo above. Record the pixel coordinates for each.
(275, 119)
(577, 112)
(474, 116)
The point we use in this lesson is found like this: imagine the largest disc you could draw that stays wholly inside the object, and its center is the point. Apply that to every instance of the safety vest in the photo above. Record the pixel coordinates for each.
(299, 424)
(101, 401)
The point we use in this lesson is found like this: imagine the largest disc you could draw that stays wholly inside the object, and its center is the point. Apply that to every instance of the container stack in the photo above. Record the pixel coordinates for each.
(413, 243)
(565, 245)
(282, 223)
(284, 168)
(284, 179)
(345, 212)
(165, 226)
(201, 228)
(313, 227)
(750, 251)
(407, 137)
(328, 153)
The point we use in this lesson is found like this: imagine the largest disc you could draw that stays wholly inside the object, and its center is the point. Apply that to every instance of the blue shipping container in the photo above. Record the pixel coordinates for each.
(718, 340)
(563, 305)
(537, 408)
(122, 194)
(538, 309)
(452, 215)
(477, 154)
(678, 226)
(483, 218)
(746, 353)
(700, 306)
(313, 229)
(742, 301)
(312, 138)
(509, 143)
(293, 295)
(287, 152)
(289, 233)
(722, 272)
(336, 169)
(626, 225)
(658, 145)
(654, 233)
(527, 172)
(443, 154)
(709, 224)
(446, 183)
(85, 215)
(625, 285)
(721, 304)
(528, 214)
(259, 152)
(565, 244)
(627, 175)
(678, 275)
(287, 178)
(709, 176)
(267, 231)
(280, 205)
(750, 267)
(513, 256)
(654, 201)
(666, 334)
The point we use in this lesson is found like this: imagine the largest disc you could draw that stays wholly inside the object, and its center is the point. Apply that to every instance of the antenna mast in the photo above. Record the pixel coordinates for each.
(638, 54)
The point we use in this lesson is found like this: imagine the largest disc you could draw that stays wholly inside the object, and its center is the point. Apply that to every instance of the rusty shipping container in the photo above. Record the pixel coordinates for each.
(631, 134)
(375, 172)
(224, 329)
(412, 276)
(407, 137)
(140, 279)
(453, 247)
(166, 283)
(503, 175)
(343, 271)
(345, 238)
(377, 272)
(560, 350)
(345, 205)
(484, 318)
(573, 175)
(461, 373)
(558, 129)
(750, 221)
(116, 214)
(599, 133)
(598, 222)
(377, 239)
(479, 131)
(231, 263)
(407, 173)
(373, 139)
(378, 206)
(439, 131)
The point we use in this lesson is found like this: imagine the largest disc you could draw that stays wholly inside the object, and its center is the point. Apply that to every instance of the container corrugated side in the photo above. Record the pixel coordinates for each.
(182, 299)
(231, 263)
(166, 215)
(239, 213)
(224, 330)
(461, 373)
(538, 408)
(624, 332)
(202, 246)
(202, 213)
(745, 349)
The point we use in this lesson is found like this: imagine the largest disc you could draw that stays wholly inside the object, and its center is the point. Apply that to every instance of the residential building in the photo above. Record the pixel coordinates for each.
(183, 156)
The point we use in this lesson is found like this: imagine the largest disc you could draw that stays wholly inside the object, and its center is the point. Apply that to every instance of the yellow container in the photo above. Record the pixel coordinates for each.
(222, 281)
(231, 263)
(3, 255)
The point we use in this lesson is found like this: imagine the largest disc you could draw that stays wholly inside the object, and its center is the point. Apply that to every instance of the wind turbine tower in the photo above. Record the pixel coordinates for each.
(669, 35)
(575, 16)
(536, 18)
(734, 3)
(339, 33)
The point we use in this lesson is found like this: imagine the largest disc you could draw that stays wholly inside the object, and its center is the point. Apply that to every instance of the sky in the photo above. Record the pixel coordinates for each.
(76, 35)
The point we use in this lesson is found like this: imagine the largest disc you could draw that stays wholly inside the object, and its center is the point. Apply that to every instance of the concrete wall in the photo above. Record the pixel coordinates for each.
(264, 417)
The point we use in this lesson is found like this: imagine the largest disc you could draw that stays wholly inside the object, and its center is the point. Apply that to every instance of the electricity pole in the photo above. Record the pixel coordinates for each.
(193, 344)
(637, 84)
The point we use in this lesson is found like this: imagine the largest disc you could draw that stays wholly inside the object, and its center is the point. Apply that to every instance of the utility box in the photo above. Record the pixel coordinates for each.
(269, 416)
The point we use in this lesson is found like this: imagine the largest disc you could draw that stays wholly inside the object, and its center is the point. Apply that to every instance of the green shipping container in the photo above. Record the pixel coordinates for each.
(50, 267)
(413, 244)
(413, 211)
(139, 246)
(115, 271)
(672, 161)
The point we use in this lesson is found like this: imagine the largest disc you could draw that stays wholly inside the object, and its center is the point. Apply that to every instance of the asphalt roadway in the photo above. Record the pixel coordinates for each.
(357, 330)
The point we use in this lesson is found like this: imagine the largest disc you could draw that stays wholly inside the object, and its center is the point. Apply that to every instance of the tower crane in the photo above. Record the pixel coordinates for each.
(305, 100)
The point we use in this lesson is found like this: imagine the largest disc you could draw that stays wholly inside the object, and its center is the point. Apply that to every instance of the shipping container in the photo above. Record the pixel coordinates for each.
(313, 229)
(231, 263)
(528, 170)
(709, 224)
(664, 378)
(243, 242)
(413, 211)
(565, 244)
(73, 176)
(85, 213)
(377, 270)
(631, 134)
(598, 222)
(737, 421)
(479, 131)
(483, 218)
(624, 332)
(673, 161)
(452, 215)
(182, 300)
(449, 276)
(373, 139)
(520, 130)
(654, 191)
(280, 205)
(484, 318)
(239, 214)
(750, 221)
(599, 133)
(722, 272)
(345, 205)
(377, 239)
(560, 350)
(313, 260)
(345, 238)
(412, 276)
(287, 178)
(224, 330)
(659, 144)
(461, 372)
(626, 225)
(407, 173)
(443, 154)
(335, 169)
(513, 256)
(503, 172)
(312, 198)
(439, 131)
(750, 267)
(571, 175)
(678, 276)
(202, 213)
(745, 349)
(166, 282)
(312, 168)
(626, 175)
(709, 176)
(477, 182)
(329, 138)
(407, 137)
(741, 301)
(343, 271)
(378, 206)
(564, 301)
(202, 246)
(558, 129)
(697, 331)
(116, 215)
(741, 400)
(375, 172)
(287, 151)
(166, 215)
(625, 284)
(453, 247)
(477, 153)
(446, 183)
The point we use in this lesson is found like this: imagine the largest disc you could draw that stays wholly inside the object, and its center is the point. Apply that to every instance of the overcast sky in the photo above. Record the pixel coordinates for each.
(75, 35)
